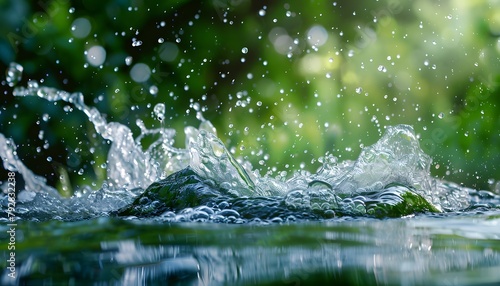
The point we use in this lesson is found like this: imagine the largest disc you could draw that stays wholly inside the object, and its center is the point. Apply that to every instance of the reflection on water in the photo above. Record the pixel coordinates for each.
(455, 249)
(444, 233)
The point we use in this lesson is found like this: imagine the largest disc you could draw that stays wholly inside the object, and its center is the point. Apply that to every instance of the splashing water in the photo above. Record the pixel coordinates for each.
(391, 177)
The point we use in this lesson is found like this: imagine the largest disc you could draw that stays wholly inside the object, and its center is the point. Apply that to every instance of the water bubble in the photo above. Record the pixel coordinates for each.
(71, 10)
(128, 60)
(441, 115)
(262, 12)
(359, 90)
(160, 40)
(159, 111)
(244, 50)
(14, 73)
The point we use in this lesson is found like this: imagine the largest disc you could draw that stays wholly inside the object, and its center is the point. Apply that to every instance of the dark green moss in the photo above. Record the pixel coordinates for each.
(183, 189)
(403, 201)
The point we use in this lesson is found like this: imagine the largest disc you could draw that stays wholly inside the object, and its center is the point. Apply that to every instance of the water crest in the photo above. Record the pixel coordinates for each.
(389, 179)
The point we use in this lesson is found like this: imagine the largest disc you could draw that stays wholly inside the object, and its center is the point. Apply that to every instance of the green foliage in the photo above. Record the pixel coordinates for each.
(280, 93)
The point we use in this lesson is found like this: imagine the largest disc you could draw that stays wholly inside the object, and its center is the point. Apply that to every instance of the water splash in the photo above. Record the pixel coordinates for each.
(14, 74)
(128, 165)
(11, 162)
(390, 178)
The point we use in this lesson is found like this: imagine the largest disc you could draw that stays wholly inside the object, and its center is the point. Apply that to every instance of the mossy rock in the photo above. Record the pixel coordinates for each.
(183, 189)
(404, 201)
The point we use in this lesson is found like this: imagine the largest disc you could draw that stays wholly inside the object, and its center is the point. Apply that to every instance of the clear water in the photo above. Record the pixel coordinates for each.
(340, 223)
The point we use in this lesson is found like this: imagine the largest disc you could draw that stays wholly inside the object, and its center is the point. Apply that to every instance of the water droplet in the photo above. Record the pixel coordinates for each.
(33, 84)
(96, 55)
(14, 73)
(160, 40)
(244, 50)
(136, 43)
(359, 90)
(262, 12)
(159, 111)
(441, 115)
(153, 89)
(128, 60)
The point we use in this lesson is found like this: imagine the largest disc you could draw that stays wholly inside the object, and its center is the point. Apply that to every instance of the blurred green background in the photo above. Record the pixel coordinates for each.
(283, 82)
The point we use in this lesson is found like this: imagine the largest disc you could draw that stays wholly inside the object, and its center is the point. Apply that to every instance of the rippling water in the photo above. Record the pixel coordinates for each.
(452, 249)
(198, 216)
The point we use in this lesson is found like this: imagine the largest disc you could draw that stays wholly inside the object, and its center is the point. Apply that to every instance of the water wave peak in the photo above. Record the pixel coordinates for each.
(389, 178)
